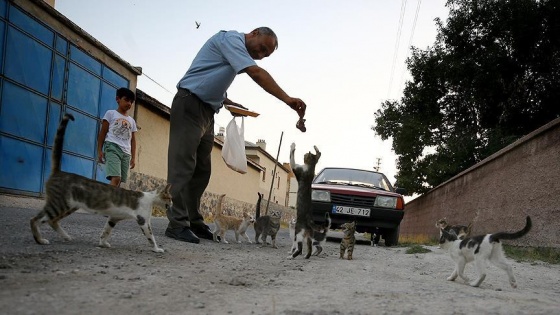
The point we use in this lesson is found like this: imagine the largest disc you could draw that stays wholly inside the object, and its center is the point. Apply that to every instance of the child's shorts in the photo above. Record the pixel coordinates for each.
(117, 162)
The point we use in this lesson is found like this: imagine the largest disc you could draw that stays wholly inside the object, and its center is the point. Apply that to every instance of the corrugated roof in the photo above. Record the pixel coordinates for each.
(72, 26)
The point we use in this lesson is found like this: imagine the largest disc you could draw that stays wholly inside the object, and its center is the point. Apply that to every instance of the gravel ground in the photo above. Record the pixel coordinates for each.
(210, 278)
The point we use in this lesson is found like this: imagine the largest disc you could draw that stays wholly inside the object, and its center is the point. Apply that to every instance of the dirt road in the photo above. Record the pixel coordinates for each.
(209, 278)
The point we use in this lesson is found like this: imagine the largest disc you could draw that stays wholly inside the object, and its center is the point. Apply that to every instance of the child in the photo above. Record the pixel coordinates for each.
(117, 139)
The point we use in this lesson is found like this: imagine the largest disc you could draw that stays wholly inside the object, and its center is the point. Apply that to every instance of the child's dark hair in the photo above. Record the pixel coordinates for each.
(124, 92)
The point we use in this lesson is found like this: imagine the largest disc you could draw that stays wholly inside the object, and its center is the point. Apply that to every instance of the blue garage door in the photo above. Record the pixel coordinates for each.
(43, 75)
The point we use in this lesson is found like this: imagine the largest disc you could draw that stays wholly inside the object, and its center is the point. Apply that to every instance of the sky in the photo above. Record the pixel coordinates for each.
(342, 58)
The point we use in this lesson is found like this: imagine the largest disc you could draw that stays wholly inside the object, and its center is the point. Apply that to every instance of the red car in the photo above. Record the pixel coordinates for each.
(366, 197)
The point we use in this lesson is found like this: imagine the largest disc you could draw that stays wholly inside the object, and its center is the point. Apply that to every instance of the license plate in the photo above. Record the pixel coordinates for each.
(351, 210)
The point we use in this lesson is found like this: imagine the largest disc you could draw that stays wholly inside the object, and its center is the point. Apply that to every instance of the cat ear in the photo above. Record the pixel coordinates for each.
(167, 188)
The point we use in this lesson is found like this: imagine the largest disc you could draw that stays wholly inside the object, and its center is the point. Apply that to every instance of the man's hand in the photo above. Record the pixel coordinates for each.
(298, 105)
(228, 102)
(132, 163)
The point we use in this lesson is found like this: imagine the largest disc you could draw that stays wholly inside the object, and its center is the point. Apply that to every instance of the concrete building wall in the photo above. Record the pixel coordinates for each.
(152, 140)
(280, 185)
(496, 194)
(243, 187)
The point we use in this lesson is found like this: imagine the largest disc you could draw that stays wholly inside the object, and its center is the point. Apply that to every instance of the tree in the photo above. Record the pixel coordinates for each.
(492, 76)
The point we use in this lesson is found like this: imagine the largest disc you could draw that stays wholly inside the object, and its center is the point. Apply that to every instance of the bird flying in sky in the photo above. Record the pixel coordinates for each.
(197, 24)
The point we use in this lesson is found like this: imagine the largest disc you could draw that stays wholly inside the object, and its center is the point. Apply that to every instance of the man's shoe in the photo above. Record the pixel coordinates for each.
(202, 231)
(182, 234)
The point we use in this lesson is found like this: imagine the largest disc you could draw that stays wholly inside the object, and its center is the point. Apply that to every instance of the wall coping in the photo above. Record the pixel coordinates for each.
(550, 125)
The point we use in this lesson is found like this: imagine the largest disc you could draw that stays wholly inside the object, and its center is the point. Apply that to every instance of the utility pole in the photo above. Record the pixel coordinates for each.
(274, 173)
(378, 166)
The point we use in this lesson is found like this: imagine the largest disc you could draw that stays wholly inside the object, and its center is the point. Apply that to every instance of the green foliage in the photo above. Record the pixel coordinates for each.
(492, 76)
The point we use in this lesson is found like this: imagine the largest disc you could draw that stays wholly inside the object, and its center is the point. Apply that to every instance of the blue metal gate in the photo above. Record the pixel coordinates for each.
(43, 75)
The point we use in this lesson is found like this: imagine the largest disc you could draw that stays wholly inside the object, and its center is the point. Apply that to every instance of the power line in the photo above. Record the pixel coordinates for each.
(147, 76)
(411, 36)
(401, 18)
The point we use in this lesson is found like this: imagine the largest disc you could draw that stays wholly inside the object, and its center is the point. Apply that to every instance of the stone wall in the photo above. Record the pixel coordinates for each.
(498, 193)
(230, 206)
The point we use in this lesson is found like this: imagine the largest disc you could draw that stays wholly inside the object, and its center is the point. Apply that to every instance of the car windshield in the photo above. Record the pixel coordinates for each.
(353, 177)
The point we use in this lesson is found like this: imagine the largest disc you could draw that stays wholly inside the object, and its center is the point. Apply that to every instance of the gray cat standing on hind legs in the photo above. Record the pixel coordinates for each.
(68, 192)
(305, 228)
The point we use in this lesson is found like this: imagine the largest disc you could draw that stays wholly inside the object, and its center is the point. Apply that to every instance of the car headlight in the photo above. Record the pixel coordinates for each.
(321, 195)
(385, 202)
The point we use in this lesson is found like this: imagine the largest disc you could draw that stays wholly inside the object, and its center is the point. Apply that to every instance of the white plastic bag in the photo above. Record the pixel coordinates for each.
(233, 151)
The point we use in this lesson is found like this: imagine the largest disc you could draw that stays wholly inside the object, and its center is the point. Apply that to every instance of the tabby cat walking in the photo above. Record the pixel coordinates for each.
(226, 222)
(67, 192)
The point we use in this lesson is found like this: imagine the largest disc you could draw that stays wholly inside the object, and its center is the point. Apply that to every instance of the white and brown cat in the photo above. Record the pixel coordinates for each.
(462, 231)
(305, 228)
(224, 222)
(67, 192)
(480, 249)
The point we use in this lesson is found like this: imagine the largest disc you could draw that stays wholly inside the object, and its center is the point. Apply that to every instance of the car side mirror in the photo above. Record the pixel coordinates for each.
(401, 191)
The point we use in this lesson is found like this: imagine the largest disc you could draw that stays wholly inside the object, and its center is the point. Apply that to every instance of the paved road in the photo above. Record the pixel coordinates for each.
(79, 278)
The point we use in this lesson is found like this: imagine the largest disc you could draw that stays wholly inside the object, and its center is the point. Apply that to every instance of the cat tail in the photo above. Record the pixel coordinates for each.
(258, 210)
(58, 141)
(511, 236)
(219, 206)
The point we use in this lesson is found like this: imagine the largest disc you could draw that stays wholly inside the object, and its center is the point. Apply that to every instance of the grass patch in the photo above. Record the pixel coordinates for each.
(532, 254)
(417, 249)
(529, 254)
(406, 240)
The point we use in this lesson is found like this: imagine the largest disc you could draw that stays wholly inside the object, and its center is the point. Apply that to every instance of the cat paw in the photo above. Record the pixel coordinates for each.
(293, 146)
(225, 242)
(43, 241)
(474, 284)
(450, 278)
(513, 285)
(104, 245)
(158, 250)
(290, 257)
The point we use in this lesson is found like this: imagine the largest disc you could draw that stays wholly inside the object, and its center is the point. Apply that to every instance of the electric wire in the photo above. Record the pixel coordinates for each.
(395, 53)
(147, 76)
(411, 37)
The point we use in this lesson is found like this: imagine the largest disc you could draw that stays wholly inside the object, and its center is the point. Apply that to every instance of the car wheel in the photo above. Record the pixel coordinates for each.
(391, 237)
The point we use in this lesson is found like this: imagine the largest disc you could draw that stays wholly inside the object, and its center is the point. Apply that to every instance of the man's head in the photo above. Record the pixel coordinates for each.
(261, 42)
